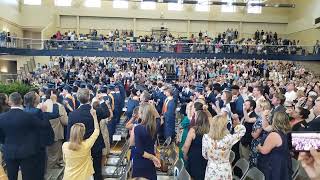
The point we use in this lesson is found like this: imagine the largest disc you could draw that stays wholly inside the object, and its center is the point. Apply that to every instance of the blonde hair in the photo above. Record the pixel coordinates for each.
(148, 118)
(264, 105)
(218, 127)
(281, 122)
(76, 136)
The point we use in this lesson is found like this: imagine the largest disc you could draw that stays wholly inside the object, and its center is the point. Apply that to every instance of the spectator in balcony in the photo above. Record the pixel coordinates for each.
(58, 36)
(316, 47)
(8, 39)
(256, 35)
(236, 34)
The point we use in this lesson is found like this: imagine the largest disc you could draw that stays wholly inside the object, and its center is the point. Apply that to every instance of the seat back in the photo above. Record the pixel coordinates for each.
(126, 171)
(254, 174)
(295, 167)
(178, 166)
(232, 156)
(184, 175)
(243, 165)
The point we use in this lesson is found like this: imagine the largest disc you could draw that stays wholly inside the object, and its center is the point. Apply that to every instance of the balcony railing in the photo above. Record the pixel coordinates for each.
(183, 46)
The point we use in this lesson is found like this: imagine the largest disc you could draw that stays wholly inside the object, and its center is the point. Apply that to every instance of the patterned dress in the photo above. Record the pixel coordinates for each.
(217, 152)
(254, 153)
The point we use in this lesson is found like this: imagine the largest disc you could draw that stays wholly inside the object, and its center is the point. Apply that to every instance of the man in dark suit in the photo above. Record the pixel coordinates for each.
(169, 114)
(237, 101)
(82, 115)
(22, 147)
(314, 125)
(277, 102)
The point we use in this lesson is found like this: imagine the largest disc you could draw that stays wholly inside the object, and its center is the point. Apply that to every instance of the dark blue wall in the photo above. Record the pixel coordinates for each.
(32, 52)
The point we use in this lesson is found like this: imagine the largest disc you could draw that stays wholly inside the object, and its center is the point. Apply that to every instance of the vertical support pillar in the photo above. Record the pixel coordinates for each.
(78, 25)
(134, 27)
(188, 28)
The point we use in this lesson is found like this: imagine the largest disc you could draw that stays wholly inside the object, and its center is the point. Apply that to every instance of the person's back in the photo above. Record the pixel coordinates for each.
(278, 161)
(21, 139)
(79, 163)
(19, 132)
(77, 152)
(217, 151)
(196, 163)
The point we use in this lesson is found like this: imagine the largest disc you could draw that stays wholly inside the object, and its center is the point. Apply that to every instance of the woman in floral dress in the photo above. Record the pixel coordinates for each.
(258, 134)
(216, 147)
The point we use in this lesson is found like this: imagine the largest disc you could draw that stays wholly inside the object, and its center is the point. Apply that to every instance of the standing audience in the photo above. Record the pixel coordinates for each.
(216, 148)
(192, 149)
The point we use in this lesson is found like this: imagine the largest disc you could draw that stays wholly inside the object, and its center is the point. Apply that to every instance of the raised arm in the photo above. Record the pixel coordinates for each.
(92, 139)
(239, 131)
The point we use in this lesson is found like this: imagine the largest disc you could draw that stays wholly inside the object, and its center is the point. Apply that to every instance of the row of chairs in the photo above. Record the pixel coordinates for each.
(256, 174)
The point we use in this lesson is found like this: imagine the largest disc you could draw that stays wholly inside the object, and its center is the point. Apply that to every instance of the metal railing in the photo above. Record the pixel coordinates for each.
(176, 46)
(8, 78)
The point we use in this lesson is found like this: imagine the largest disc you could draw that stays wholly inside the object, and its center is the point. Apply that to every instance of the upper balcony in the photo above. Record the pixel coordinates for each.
(176, 49)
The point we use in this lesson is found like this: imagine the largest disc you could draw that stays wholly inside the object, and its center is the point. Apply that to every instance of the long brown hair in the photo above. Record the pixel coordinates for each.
(76, 136)
(202, 124)
(148, 118)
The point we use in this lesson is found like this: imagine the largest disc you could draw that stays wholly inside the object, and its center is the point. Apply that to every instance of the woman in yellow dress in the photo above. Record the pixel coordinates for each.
(77, 152)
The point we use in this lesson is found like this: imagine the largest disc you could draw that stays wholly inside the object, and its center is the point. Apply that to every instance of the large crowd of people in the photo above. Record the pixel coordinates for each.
(246, 106)
(229, 41)
(225, 42)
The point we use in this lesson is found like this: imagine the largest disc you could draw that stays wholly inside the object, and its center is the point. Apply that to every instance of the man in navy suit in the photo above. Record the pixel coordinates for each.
(169, 114)
(22, 146)
(31, 101)
(237, 101)
(82, 115)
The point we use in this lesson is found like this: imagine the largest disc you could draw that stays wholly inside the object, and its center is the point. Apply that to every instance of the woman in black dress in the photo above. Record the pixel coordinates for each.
(144, 138)
(192, 149)
(276, 164)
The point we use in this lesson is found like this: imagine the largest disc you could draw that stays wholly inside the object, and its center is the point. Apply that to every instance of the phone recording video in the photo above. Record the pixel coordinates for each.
(304, 141)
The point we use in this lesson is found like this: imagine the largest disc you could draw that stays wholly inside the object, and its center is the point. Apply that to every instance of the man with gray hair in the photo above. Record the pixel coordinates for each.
(83, 115)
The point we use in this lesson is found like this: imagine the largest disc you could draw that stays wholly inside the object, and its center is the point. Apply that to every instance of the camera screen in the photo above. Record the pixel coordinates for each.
(305, 141)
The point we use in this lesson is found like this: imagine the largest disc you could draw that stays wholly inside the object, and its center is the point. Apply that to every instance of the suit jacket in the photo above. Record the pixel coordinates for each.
(83, 115)
(237, 106)
(314, 125)
(20, 132)
(46, 133)
(58, 124)
(170, 118)
(280, 108)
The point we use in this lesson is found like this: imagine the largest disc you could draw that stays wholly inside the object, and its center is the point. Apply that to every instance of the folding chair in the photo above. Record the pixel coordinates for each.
(254, 174)
(184, 175)
(243, 165)
(178, 166)
(295, 167)
(114, 160)
(232, 156)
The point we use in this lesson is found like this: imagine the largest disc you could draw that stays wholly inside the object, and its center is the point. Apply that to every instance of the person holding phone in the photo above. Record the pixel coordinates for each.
(310, 161)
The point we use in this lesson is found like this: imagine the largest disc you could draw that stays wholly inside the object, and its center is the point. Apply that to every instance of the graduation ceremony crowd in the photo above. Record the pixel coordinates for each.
(248, 107)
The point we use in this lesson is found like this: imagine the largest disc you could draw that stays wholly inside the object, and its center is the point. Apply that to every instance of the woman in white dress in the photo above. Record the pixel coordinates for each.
(216, 147)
